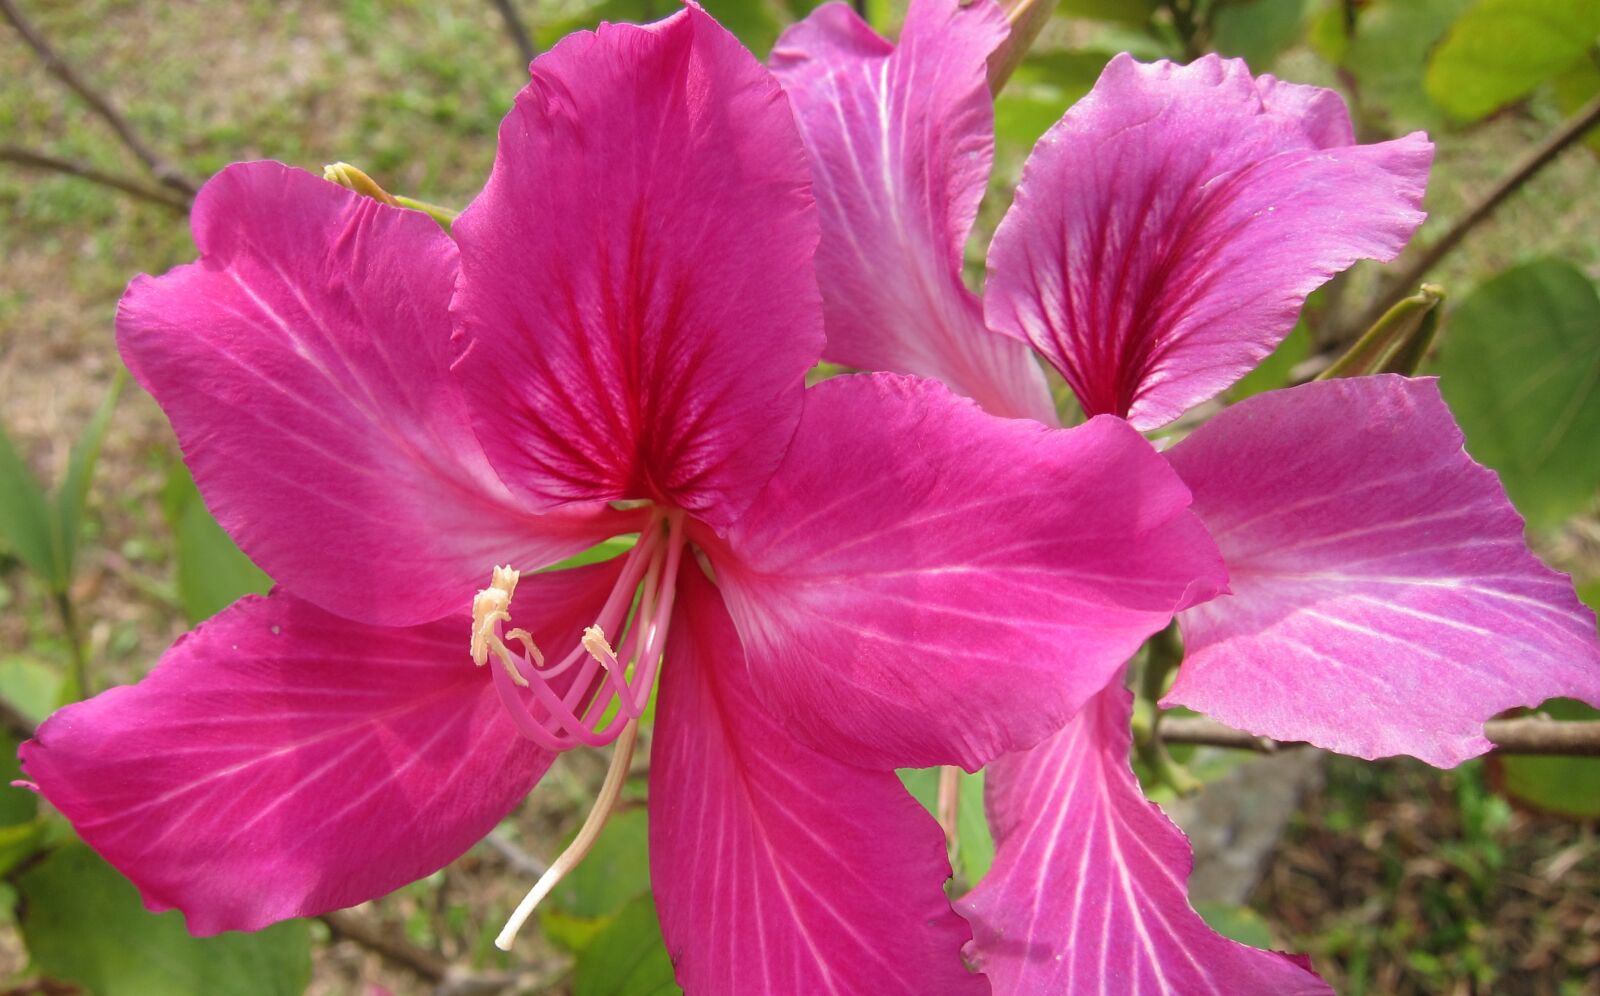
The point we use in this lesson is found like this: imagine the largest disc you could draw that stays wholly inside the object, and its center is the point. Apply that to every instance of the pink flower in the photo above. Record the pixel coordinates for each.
(1164, 236)
(835, 581)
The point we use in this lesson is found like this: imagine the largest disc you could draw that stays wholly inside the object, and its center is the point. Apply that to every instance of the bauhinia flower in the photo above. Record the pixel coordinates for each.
(1163, 239)
(404, 428)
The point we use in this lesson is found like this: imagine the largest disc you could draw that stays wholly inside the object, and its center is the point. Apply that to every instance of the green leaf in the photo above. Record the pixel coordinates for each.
(84, 923)
(1239, 923)
(17, 805)
(1275, 371)
(30, 686)
(616, 546)
(1389, 51)
(1257, 31)
(1501, 49)
(615, 871)
(627, 958)
(74, 493)
(1122, 11)
(1041, 90)
(25, 521)
(754, 22)
(212, 571)
(974, 842)
(1575, 88)
(20, 841)
(1565, 786)
(1520, 367)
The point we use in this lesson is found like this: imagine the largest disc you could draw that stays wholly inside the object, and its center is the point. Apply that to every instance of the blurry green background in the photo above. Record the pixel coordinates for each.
(1395, 877)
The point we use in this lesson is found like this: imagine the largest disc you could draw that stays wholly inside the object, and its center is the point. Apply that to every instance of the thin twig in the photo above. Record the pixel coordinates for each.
(40, 160)
(517, 30)
(520, 861)
(354, 927)
(160, 168)
(1537, 159)
(1535, 735)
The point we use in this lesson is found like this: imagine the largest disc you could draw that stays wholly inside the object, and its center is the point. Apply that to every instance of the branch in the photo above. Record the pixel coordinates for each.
(1537, 159)
(517, 30)
(353, 927)
(84, 171)
(1537, 735)
(165, 172)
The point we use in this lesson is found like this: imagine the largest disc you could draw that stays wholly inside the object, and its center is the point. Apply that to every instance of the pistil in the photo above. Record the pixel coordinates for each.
(610, 792)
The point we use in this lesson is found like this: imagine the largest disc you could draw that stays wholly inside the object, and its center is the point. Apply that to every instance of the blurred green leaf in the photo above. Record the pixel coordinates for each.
(1576, 87)
(1041, 90)
(1520, 366)
(212, 571)
(616, 546)
(1240, 923)
(754, 22)
(974, 842)
(1388, 54)
(1565, 786)
(25, 520)
(1274, 371)
(1501, 49)
(1257, 31)
(19, 841)
(547, 33)
(627, 958)
(17, 805)
(30, 686)
(84, 923)
(1123, 11)
(74, 493)
(615, 871)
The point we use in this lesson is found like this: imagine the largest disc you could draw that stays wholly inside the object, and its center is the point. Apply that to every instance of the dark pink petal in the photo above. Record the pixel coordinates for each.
(281, 761)
(638, 304)
(304, 364)
(901, 141)
(777, 869)
(924, 584)
(1168, 228)
(1088, 892)
(1384, 600)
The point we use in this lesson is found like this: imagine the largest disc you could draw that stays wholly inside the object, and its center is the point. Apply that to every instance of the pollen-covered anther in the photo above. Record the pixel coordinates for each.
(490, 608)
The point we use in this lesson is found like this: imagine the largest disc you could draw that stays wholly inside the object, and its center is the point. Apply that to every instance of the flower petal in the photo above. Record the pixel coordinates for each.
(924, 584)
(304, 364)
(1168, 228)
(901, 140)
(1384, 599)
(1088, 892)
(638, 303)
(282, 762)
(777, 869)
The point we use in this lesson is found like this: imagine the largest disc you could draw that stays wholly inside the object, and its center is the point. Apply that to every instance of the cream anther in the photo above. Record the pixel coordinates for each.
(491, 607)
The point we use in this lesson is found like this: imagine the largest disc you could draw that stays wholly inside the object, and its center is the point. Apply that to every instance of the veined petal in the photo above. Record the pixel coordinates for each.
(638, 303)
(922, 583)
(777, 869)
(1384, 599)
(900, 139)
(303, 362)
(1088, 892)
(1168, 228)
(281, 761)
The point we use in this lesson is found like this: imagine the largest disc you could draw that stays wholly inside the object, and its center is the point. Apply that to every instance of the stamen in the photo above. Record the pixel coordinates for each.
(606, 690)
(610, 792)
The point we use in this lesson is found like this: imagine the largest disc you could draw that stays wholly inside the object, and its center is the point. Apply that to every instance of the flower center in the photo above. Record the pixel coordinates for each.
(605, 689)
